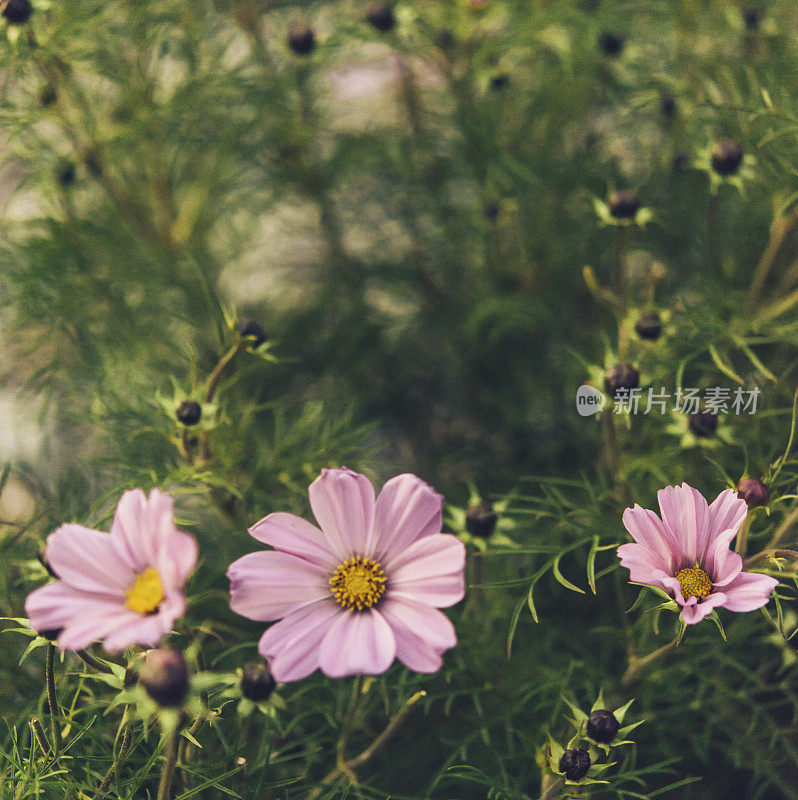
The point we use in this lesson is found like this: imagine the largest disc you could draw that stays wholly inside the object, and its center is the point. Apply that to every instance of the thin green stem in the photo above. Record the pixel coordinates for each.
(742, 536)
(92, 662)
(780, 231)
(41, 737)
(168, 769)
(218, 371)
(638, 664)
(52, 700)
(124, 749)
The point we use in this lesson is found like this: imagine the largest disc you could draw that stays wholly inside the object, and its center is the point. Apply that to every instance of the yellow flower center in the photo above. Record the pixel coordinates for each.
(694, 582)
(146, 593)
(358, 583)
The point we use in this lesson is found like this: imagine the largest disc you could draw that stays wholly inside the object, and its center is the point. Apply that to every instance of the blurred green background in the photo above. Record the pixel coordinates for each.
(409, 213)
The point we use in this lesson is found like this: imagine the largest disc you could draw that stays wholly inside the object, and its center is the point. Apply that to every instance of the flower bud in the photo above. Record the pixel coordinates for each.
(624, 204)
(65, 173)
(481, 520)
(257, 682)
(575, 763)
(165, 676)
(491, 210)
(667, 105)
(500, 81)
(611, 43)
(753, 491)
(47, 95)
(726, 156)
(189, 412)
(17, 12)
(301, 39)
(752, 16)
(249, 327)
(602, 726)
(703, 423)
(649, 326)
(380, 16)
(620, 377)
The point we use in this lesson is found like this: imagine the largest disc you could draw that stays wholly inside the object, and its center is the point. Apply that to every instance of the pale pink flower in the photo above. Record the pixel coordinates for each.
(121, 588)
(687, 552)
(361, 591)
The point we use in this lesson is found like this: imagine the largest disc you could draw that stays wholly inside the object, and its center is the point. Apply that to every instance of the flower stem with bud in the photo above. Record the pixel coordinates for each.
(52, 700)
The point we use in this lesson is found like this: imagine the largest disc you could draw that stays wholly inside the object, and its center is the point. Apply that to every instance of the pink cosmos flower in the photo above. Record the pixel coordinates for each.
(687, 552)
(121, 588)
(361, 591)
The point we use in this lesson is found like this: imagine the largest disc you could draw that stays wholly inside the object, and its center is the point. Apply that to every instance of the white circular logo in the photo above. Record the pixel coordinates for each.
(589, 400)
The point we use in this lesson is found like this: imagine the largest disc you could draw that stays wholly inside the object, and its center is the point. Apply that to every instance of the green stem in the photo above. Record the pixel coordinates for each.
(124, 748)
(742, 536)
(637, 664)
(168, 769)
(780, 231)
(41, 737)
(549, 787)
(713, 250)
(52, 700)
(218, 371)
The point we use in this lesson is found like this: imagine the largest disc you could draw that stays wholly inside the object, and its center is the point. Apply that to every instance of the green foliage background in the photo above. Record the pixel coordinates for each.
(170, 166)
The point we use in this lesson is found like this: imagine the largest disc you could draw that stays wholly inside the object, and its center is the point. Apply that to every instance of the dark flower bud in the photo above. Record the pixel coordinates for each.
(667, 105)
(444, 39)
(611, 43)
(649, 326)
(602, 726)
(17, 12)
(380, 16)
(624, 204)
(481, 520)
(301, 39)
(575, 763)
(66, 173)
(165, 676)
(500, 81)
(189, 412)
(752, 16)
(680, 161)
(703, 423)
(47, 95)
(754, 492)
(250, 328)
(491, 210)
(727, 155)
(42, 556)
(257, 682)
(131, 677)
(620, 377)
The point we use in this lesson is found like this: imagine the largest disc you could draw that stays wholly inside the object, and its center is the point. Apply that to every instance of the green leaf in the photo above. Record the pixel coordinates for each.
(561, 579)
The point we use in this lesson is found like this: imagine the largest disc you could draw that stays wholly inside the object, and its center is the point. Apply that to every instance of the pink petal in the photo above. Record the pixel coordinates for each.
(142, 527)
(146, 630)
(695, 612)
(296, 536)
(268, 585)
(54, 606)
(88, 560)
(726, 513)
(343, 504)
(721, 563)
(178, 559)
(357, 643)
(646, 528)
(685, 513)
(291, 646)
(749, 591)
(407, 509)
(84, 630)
(422, 633)
(642, 564)
(431, 571)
